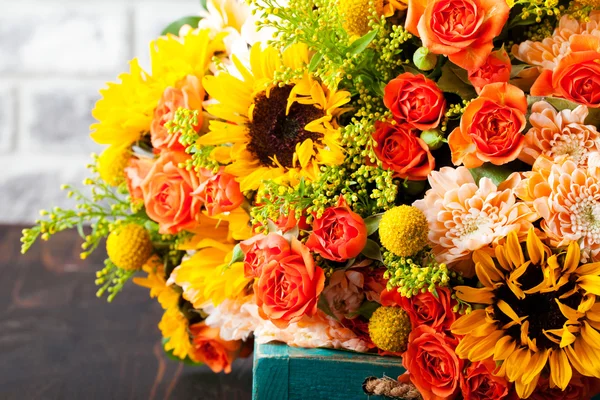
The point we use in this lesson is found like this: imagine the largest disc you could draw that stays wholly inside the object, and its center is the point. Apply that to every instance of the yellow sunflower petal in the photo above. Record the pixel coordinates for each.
(524, 390)
(535, 247)
(475, 295)
(588, 269)
(467, 323)
(590, 335)
(537, 363)
(486, 264)
(560, 369)
(572, 258)
(517, 363)
(513, 250)
(504, 347)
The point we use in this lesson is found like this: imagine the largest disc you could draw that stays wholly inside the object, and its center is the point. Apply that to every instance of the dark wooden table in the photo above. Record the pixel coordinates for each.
(58, 341)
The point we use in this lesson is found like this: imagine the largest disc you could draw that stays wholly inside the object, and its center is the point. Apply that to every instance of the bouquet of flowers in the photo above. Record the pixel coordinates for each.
(416, 179)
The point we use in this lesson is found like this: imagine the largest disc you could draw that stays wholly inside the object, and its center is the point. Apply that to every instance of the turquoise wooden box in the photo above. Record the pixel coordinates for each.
(288, 373)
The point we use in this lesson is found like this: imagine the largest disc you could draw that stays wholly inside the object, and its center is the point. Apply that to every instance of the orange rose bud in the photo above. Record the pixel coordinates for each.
(496, 68)
(340, 233)
(434, 367)
(168, 196)
(490, 128)
(289, 286)
(187, 93)
(402, 151)
(135, 173)
(218, 192)
(415, 100)
(463, 30)
(210, 349)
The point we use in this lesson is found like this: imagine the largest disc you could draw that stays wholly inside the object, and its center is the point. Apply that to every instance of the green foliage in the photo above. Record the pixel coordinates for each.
(175, 26)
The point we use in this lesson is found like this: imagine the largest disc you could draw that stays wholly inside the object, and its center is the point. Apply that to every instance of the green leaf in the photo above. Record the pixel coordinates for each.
(315, 61)
(372, 250)
(324, 306)
(175, 26)
(372, 223)
(452, 83)
(203, 4)
(516, 69)
(367, 309)
(238, 256)
(360, 44)
(496, 173)
(169, 354)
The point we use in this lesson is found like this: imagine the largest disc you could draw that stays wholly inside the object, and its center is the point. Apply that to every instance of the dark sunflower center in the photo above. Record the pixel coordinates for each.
(273, 134)
(541, 309)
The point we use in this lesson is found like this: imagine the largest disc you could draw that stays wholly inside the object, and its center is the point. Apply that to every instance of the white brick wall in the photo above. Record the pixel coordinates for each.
(54, 57)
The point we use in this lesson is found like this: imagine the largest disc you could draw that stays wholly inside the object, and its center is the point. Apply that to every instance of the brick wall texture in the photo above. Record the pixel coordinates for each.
(54, 57)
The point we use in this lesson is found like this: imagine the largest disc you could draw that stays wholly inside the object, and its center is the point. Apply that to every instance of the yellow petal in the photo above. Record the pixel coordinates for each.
(537, 363)
(590, 335)
(535, 247)
(513, 250)
(509, 312)
(467, 323)
(588, 269)
(524, 390)
(560, 369)
(484, 348)
(572, 258)
(504, 348)
(517, 363)
(474, 295)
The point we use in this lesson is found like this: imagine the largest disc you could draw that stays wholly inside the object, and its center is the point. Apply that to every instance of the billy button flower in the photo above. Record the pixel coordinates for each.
(403, 230)
(112, 162)
(389, 328)
(129, 246)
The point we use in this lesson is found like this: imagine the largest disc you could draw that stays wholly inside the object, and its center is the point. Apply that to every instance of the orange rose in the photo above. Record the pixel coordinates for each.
(479, 382)
(218, 192)
(401, 150)
(288, 287)
(168, 196)
(434, 367)
(430, 310)
(261, 249)
(340, 233)
(188, 93)
(579, 388)
(490, 128)
(496, 68)
(210, 349)
(576, 78)
(135, 173)
(463, 30)
(415, 100)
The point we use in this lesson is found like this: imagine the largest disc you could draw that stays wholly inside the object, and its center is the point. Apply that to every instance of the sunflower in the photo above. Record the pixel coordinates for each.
(126, 109)
(540, 310)
(173, 324)
(273, 130)
(209, 275)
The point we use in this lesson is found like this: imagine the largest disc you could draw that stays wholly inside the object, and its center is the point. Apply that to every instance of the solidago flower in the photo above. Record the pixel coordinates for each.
(559, 133)
(156, 281)
(126, 109)
(274, 131)
(206, 276)
(567, 197)
(540, 310)
(464, 215)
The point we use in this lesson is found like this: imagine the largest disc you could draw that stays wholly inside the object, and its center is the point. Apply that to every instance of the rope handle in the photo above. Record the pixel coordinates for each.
(390, 388)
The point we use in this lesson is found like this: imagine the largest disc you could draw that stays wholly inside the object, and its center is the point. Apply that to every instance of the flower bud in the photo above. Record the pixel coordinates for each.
(433, 138)
(424, 60)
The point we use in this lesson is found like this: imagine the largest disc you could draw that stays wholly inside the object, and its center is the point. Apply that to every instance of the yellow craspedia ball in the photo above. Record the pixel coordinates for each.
(356, 14)
(403, 230)
(389, 328)
(111, 164)
(129, 246)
